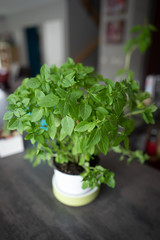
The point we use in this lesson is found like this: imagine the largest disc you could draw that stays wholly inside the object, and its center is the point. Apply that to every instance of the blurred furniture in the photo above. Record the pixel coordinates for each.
(5, 55)
(17, 74)
(11, 71)
(10, 143)
(28, 209)
(5, 62)
(3, 105)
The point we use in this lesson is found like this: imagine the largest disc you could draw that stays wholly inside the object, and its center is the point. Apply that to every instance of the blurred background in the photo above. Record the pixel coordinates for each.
(94, 32)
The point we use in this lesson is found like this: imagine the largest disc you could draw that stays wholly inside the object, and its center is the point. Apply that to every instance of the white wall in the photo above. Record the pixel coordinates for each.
(111, 56)
(2, 25)
(53, 42)
(38, 16)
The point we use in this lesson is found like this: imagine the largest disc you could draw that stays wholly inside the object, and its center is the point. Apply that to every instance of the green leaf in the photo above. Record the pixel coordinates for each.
(96, 88)
(26, 101)
(13, 123)
(94, 138)
(70, 74)
(61, 159)
(101, 112)
(51, 127)
(67, 125)
(91, 126)
(83, 144)
(57, 122)
(19, 112)
(70, 61)
(36, 114)
(46, 112)
(39, 94)
(40, 139)
(88, 69)
(128, 125)
(29, 136)
(109, 82)
(76, 149)
(111, 181)
(76, 94)
(61, 92)
(65, 110)
(8, 115)
(52, 131)
(95, 98)
(85, 184)
(73, 109)
(63, 134)
(44, 71)
(96, 175)
(152, 28)
(82, 126)
(85, 111)
(51, 120)
(68, 83)
(136, 28)
(11, 107)
(82, 160)
(12, 98)
(117, 149)
(109, 89)
(85, 126)
(68, 80)
(152, 108)
(118, 140)
(47, 88)
(20, 127)
(62, 108)
(104, 144)
(40, 131)
(118, 105)
(140, 156)
(33, 83)
(49, 100)
(126, 143)
(30, 154)
(47, 149)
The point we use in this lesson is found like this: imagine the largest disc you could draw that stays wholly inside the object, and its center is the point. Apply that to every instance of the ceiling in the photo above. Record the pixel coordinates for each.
(9, 7)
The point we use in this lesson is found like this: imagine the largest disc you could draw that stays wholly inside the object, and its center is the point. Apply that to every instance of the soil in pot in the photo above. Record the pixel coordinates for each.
(72, 168)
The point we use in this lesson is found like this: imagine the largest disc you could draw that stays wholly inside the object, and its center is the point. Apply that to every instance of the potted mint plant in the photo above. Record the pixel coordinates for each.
(71, 114)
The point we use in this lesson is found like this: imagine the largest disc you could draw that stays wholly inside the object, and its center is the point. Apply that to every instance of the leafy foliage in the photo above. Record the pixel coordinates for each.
(68, 114)
(141, 40)
(94, 176)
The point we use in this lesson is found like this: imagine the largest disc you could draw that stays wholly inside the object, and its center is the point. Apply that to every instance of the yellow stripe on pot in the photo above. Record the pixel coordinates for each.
(76, 201)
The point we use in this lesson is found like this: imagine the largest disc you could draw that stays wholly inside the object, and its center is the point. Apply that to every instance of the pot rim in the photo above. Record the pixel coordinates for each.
(72, 175)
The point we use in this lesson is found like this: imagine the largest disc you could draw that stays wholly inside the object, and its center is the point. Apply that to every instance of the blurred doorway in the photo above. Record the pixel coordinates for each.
(153, 53)
(33, 47)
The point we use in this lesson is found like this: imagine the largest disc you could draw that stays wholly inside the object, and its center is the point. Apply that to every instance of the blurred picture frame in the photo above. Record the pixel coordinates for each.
(115, 31)
(116, 6)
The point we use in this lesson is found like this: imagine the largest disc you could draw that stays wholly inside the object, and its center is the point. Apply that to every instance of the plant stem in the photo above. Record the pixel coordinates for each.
(128, 58)
(134, 113)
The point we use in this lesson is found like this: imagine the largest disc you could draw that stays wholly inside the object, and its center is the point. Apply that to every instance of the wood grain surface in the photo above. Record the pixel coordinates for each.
(28, 209)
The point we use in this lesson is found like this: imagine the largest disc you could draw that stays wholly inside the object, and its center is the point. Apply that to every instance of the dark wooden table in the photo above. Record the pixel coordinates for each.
(28, 209)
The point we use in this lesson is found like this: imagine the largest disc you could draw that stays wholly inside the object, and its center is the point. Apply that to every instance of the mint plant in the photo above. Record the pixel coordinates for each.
(70, 115)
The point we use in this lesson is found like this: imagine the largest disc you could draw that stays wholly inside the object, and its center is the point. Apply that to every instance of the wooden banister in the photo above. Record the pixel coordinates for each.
(87, 51)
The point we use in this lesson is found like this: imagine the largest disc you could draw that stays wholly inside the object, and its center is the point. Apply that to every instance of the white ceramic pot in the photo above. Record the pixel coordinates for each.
(68, 189)
(69, 184)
